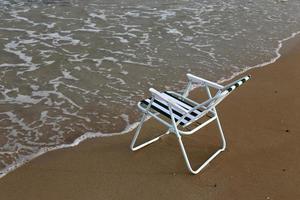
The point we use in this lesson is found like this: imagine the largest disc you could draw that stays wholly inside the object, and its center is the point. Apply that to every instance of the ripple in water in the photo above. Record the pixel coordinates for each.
(70, 68)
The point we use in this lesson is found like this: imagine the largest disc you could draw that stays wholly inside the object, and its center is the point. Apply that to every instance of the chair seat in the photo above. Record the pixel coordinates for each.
(162, 107)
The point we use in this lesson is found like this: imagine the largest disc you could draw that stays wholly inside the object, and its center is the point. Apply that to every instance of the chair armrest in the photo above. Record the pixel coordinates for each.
(196, 79)
(157, 95)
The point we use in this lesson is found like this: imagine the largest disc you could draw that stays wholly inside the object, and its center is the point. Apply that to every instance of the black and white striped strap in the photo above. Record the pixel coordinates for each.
(162, 107)
(238, 83)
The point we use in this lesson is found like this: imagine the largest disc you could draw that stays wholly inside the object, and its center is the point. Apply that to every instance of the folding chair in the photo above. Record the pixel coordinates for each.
(177, 112)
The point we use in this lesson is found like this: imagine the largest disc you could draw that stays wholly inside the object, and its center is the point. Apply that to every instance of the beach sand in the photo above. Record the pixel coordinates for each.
(261, 122)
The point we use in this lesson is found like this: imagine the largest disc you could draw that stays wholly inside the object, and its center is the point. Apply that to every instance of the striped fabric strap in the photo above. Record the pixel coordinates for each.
(237, 83)
(163, 108)
(159, 96)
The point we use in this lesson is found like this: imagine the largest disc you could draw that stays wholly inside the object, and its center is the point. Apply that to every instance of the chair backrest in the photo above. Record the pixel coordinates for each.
(232, 86)
(209, 104)
(219, 96)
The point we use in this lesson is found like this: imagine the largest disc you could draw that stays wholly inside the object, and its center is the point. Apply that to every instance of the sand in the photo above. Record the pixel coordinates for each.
(261, 122)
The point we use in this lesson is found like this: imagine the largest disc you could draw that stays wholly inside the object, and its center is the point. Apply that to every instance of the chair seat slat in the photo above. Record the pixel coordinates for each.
(156, 105)
(162, 107)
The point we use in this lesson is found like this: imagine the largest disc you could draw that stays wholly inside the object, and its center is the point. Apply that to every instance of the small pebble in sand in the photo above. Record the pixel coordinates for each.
(215, 185)
(283, 170)
(287, 130)
(275, 91)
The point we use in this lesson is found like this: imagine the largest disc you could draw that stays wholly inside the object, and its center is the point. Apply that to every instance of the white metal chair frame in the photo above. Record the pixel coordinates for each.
(208, 108)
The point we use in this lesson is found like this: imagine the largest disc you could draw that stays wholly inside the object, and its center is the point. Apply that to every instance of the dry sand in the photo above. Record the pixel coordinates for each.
(261, 122)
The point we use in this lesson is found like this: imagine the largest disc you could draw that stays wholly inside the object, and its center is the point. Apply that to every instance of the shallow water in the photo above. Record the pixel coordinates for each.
(72, 67)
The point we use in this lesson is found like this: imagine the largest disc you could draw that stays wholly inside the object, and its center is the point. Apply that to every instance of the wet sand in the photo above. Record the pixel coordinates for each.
(260, 121)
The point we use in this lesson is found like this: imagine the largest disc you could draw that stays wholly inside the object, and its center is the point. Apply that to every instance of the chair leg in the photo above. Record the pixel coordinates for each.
(209, 159)
(221, 133)
(188, 162)
(138, 130)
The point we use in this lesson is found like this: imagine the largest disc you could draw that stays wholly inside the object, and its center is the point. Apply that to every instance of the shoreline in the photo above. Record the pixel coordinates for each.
(130, 127)
(281, 45)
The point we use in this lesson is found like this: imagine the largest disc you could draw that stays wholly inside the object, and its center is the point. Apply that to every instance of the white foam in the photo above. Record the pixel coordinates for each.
(121, 39)
(67, 75)
(11, 46)
(132, 14)
(17, 29)
(173, 31)
(88, 30)
(49, 62)
(166, 14)
(99, 16)
(99, 61)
